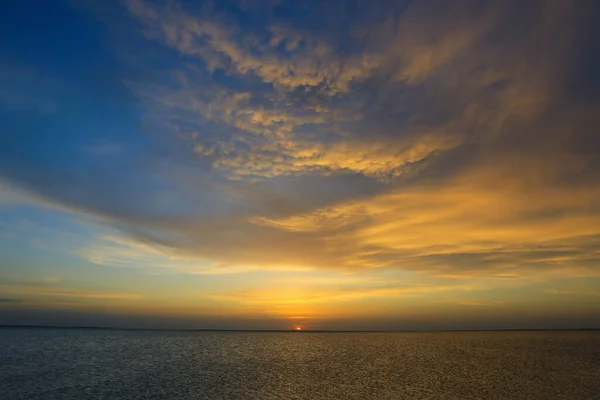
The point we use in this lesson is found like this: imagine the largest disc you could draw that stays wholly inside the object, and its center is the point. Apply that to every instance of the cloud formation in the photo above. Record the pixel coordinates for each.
(447, 138)
(29, 291)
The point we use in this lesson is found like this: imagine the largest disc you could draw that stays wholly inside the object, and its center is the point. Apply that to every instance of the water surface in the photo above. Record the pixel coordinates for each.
(47, 364)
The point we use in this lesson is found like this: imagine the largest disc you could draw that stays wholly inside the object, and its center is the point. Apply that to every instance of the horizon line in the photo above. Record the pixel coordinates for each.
(296, 331)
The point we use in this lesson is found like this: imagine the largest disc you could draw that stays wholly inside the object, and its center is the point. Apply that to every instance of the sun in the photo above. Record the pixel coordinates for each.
(298, 328)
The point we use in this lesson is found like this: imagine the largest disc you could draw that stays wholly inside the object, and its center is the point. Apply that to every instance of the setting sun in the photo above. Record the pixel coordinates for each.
(298, 328)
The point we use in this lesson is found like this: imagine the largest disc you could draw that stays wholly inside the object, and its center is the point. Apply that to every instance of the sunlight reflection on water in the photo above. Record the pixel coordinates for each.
(105, 364)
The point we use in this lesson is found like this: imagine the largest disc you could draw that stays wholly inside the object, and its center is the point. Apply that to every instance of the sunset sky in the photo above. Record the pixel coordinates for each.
(273, 164)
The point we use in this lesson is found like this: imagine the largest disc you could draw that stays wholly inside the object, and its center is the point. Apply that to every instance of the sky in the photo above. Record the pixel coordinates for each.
(273, 164)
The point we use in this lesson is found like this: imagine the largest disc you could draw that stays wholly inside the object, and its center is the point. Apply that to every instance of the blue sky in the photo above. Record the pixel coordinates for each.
(269, 164)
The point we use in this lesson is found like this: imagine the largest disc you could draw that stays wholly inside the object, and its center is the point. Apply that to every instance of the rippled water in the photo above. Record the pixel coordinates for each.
(104, 364)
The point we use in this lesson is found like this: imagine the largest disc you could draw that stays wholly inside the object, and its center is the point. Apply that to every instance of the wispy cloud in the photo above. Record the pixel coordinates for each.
(119, 251)
(28, 291)
(574, 292)
(307, 60)
(51, 279)
(478, 303)
(319, 301)
(9, 300)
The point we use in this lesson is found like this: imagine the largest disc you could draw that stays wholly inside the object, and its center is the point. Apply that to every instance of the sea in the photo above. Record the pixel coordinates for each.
(51, 363)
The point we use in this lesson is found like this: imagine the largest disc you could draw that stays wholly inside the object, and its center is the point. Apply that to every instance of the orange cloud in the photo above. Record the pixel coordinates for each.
(41, 291)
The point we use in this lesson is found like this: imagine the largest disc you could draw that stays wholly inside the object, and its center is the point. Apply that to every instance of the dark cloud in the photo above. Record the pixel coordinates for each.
(10, 300)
